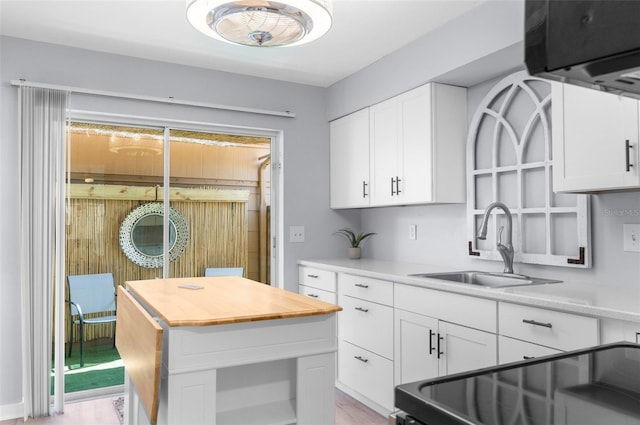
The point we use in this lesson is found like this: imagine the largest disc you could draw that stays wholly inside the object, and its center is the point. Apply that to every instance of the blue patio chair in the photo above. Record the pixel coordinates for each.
(224, 271)
(88, 294)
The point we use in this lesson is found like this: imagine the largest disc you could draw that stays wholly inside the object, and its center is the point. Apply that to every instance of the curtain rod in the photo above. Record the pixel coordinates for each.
(170, 100)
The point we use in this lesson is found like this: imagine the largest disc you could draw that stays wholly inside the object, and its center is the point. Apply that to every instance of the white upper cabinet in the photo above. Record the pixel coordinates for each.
(349, 158)
(415, 144)
(418, 147)
(595, 140)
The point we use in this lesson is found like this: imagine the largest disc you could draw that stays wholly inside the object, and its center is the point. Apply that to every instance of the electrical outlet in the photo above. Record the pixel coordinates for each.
(296, 234)
(631, 237)
(413, 232)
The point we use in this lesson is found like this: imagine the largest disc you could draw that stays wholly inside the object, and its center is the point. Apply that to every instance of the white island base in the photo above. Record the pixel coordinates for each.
(266, 372)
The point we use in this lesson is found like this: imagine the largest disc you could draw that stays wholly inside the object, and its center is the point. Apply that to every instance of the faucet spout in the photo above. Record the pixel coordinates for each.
(505, 250)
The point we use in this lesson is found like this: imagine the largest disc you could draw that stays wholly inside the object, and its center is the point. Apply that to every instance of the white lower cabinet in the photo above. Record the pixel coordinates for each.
(527, 332)
(426, 347)
(365, 332)
(317, 283)
(439, 333)
(394, 333)
(367, 373)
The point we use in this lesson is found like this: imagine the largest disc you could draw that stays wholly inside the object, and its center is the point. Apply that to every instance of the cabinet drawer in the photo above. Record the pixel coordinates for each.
(378, 291)
(514, 350)
(563, 331)
(367, 325)
(320, 294)
(317, 278)
(477, 313)
(366, 373)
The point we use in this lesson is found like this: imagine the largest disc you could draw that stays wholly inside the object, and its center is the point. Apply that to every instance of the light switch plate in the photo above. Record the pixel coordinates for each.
(631, 237)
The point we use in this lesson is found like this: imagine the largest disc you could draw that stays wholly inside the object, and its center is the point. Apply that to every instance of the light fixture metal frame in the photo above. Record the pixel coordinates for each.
(319, 12)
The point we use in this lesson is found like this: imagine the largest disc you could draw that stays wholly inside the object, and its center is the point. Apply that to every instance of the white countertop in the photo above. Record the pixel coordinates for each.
(594, 300)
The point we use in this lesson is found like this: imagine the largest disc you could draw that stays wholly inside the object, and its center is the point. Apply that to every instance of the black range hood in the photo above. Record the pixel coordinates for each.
(590, 43)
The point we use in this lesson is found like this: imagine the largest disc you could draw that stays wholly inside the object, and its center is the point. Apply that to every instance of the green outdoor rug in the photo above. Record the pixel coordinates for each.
(102, 368)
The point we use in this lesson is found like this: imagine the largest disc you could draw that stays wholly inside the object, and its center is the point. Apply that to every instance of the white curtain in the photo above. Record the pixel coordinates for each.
(42, 115)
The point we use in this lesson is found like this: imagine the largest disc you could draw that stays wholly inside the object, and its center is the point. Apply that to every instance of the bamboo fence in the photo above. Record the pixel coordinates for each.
(218, 237)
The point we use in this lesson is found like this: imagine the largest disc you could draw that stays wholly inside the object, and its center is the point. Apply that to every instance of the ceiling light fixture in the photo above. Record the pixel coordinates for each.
(261, 23)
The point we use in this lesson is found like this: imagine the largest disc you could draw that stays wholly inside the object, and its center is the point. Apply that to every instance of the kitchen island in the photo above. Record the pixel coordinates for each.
(225, 350)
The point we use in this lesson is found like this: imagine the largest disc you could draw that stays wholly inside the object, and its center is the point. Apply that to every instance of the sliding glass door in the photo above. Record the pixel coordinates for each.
(137, 210)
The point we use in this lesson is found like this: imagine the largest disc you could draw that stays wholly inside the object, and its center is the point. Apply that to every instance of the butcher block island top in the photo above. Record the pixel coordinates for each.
(206, 301)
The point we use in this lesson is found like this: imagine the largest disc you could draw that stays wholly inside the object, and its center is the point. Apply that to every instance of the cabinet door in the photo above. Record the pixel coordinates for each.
(595, 140)
(385, 153)
(416, 357)
(416, 183)
(349, 158)
(465, 349)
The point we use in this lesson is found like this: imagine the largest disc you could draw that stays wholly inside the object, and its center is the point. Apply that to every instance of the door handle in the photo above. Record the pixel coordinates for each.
(440, 338)
(398, 180)
(431, 334)
(364, 189)
(392, 190)
(627, 152)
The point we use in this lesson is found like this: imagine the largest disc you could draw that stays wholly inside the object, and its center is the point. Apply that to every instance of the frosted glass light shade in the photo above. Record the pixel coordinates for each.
(261, 23)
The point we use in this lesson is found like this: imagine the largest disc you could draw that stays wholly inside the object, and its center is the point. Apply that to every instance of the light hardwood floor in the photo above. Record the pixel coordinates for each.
(101, 412)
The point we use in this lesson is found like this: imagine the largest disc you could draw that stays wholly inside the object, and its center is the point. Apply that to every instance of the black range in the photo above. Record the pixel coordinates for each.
(599, 386)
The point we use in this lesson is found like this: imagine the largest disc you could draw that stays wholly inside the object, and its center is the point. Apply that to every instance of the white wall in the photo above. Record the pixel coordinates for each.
(305, 151)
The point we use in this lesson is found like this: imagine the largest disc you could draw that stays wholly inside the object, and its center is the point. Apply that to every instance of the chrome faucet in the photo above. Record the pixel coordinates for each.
(506, 251)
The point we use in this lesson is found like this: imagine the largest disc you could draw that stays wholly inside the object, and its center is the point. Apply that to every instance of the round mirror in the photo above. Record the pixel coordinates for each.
(141, 235)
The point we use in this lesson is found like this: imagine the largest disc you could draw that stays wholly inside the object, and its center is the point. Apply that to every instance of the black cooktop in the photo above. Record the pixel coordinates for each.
(595, 386)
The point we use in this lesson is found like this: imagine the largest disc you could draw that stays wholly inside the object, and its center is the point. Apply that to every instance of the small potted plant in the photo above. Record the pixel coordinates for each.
(354, 240)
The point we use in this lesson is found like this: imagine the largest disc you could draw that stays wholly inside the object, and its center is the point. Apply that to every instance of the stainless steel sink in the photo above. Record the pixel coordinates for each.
(490, 280)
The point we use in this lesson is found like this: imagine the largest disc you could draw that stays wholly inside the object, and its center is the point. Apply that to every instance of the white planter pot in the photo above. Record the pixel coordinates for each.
(354, 253)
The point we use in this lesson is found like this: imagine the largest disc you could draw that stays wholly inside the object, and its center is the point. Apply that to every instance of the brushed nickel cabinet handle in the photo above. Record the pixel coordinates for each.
(533, 322)
(364, 189)
(364, 310)
(361, 285)
(440, 338)
(363, 360)
(627, 150)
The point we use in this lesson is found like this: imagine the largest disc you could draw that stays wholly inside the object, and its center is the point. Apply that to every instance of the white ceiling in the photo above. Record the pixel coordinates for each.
(363, 31)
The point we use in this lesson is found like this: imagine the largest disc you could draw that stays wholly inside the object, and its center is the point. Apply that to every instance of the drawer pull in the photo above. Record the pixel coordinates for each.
(361, 359)
(361, 285)
(313, 295)
(533, 322)
(364, 310)
(313, 276)
(528, 357)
